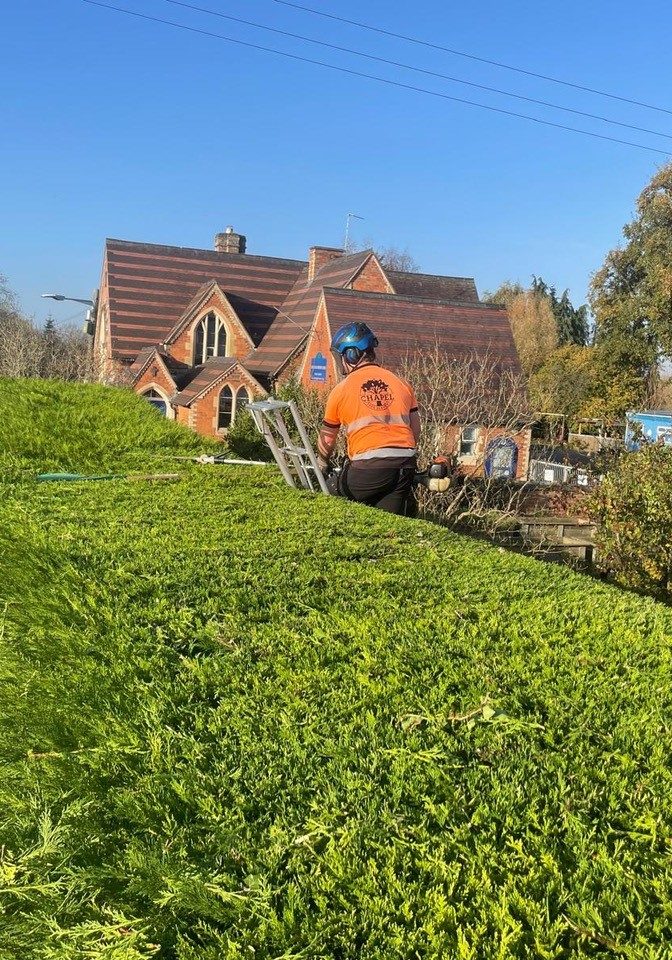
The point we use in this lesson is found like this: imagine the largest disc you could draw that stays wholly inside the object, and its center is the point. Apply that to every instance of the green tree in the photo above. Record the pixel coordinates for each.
(631, 297)
(633, 508)
(532, 323)
(571, 321)
(565, 383)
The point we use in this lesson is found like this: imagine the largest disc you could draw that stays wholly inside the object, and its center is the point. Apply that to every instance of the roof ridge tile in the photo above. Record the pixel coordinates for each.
(370, 294)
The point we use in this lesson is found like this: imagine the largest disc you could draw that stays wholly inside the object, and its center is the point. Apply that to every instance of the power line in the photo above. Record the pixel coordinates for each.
(470, 56)
(369, 76)
(408, 66)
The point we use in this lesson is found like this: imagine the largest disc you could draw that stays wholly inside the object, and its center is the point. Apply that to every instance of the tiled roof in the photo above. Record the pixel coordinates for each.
(151, 285)
(204, 376)
(433, 286)
(142, 358)
(292, 325)
(404, 324)
(180, 372)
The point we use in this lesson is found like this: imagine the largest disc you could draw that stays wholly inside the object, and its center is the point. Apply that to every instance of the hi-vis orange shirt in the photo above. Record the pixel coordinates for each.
(374, 406)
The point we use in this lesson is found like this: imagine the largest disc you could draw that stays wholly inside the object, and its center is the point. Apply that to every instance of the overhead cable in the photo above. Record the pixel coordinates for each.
(408, 66)
(370, 76)
(471, 56)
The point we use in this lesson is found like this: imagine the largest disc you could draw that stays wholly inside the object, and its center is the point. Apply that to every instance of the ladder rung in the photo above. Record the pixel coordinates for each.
(295, 451)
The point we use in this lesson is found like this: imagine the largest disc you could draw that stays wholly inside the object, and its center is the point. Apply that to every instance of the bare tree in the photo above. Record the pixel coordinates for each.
(473, 393)
(392, 257)
(27, 351)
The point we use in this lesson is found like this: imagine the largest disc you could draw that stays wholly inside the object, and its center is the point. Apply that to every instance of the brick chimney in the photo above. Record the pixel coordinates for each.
(318, 256)
(230, 242)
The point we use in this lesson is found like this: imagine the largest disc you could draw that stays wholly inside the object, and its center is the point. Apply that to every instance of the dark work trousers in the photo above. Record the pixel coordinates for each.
(385, 483)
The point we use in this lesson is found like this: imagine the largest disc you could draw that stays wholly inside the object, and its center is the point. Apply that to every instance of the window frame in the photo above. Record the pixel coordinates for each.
(201, 331)
(158, 395)
(232, 407)
(235, 394)
(466, 447)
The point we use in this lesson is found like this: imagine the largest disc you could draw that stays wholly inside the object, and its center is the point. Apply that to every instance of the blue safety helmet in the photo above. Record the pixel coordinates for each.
(352, 341)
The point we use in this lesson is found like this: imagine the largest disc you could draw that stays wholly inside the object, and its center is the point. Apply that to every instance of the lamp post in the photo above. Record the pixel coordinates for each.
(59, 296)
(89, 323)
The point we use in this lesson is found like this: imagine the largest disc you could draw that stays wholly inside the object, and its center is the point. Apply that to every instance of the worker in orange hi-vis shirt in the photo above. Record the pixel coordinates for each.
(379, 413)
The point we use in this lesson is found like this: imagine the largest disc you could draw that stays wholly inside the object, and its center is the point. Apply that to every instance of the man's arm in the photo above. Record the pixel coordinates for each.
(326, 443)
(329, 432)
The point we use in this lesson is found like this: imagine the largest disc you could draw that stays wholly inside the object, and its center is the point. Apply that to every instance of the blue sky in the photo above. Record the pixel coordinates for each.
(118, 127)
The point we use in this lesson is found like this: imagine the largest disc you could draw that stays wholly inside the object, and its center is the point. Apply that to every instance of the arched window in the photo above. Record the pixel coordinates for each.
(242, 400)
(157, 401)
(225, 409)
(209, 339)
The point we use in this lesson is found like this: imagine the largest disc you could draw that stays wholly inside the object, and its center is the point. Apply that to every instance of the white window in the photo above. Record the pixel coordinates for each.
(468, 438)
(210, 339)
(157, 401)
(230, 404)
(242, 400)
(225, 409)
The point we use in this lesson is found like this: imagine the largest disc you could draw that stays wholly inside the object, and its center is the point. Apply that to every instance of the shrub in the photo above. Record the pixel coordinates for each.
(244, 440)
(237, 720)
(48, 425)
(633, 509)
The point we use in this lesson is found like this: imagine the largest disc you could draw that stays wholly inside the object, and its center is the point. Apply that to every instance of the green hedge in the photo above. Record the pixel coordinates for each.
(238, 721)
(49, 425)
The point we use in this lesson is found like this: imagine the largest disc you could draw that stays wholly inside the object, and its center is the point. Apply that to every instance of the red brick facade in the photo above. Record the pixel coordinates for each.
(190, 323)
(238, 341)
(157, 377)
(471, 455)
(371, 278)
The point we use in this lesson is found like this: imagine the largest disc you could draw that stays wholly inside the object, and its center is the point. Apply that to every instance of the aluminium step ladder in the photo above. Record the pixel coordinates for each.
(297, 462)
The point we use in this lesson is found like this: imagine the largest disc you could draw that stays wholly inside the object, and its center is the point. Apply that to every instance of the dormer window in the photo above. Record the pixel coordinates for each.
(210, 339)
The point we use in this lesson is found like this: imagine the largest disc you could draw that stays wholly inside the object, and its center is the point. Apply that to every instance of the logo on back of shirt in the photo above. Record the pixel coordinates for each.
(376, 394)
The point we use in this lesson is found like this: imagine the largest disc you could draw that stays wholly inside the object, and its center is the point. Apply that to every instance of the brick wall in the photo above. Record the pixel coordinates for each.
(155, 377)
(371, 278)
(474, 465)
(201, 416)
(318, 344)
(318, 256)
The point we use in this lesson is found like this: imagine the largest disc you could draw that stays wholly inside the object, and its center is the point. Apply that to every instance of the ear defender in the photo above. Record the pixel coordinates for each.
(352, 355)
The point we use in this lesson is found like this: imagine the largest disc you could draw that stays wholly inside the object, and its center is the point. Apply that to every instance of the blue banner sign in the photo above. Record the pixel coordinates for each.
(318, 368)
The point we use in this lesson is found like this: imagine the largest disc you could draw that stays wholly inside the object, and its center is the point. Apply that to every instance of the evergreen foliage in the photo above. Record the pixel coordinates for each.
(571, 321)
(241, 721)
(50, 425)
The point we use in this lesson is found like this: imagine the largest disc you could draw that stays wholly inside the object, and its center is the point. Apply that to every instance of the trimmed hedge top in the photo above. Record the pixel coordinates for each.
(239, 721)
(49, 425)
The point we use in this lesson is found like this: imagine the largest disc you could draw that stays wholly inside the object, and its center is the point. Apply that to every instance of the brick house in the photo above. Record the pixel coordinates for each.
(200, 333)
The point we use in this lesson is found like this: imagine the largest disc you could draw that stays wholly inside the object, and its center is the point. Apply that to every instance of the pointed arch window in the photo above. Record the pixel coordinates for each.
(210, 338)
(225, 409)
(242, 400)
(157, 401)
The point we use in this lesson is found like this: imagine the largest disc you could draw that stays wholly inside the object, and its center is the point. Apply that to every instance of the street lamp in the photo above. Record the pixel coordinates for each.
(90, 322)
(59, 296)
